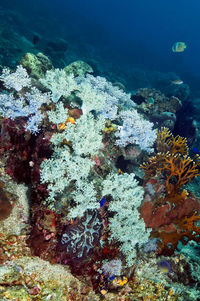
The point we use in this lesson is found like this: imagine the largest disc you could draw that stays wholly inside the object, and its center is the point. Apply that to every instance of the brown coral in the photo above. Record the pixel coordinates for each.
(178, 145)
(171, 163)
(172, 215)
(177, 170)
(163, 135)
(166, 142)
(184, 227)
(7, 201)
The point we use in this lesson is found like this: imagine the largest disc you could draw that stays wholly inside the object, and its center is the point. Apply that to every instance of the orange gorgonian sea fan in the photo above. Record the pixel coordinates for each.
(166, 142)
(173, 168)
(177, 170)
(171, 162)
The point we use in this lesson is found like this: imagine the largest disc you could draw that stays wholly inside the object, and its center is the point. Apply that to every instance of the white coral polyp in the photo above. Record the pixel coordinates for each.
(135, 130)
(59, 83)
(126, 225)
(85, 134)
(16, 80)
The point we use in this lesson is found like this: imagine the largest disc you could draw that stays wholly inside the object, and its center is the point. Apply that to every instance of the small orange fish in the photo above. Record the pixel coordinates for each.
(63, 126)
(70, 119)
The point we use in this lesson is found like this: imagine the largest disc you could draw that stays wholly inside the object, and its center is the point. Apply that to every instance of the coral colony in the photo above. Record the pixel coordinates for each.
(106, 183)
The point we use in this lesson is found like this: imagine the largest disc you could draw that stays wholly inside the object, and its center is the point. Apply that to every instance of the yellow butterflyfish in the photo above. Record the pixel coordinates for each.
(179, 46)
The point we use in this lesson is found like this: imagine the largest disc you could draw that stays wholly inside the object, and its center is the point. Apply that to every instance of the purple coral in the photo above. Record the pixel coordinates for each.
(80, 238)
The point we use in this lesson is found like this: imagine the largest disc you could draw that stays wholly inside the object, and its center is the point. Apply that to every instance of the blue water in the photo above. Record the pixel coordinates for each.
(151, 25)
(145, 30)
(120, 34)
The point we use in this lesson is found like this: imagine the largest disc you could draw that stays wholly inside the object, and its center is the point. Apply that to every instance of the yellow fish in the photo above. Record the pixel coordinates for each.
(164, 270)
(120, 171)
(103, 292)
(178, 47)
(70, 119)
(120, 281)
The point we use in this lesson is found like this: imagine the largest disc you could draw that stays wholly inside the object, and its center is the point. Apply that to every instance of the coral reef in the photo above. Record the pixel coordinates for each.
(177, 273)
(36, 65)
(79, 238)
(71, 144)
(173, 213)
(6, 202)
(78, 68)
(25, 103)
(79, 220)
(157, 107)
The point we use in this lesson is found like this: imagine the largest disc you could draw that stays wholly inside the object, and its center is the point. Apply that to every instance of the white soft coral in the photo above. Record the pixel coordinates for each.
(135, 130)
